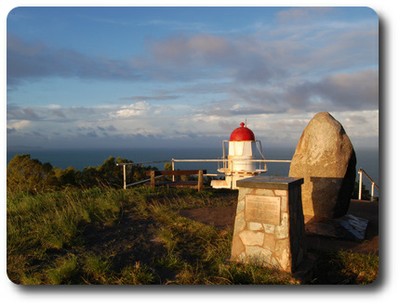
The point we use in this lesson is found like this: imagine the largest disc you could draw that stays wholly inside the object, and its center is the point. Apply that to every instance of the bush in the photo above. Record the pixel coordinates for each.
(29, 175)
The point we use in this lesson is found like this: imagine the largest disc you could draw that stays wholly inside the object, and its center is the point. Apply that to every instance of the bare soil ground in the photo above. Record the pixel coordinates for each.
(224, 217)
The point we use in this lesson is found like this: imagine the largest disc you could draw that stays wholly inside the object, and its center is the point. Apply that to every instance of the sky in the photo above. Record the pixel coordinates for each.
(131, 77)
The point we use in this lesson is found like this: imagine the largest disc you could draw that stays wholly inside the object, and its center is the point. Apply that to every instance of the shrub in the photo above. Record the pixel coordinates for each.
(29, 175)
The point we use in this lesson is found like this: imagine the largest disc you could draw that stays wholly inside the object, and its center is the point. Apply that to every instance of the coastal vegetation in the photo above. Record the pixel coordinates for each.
(25, 174)
(80, 227)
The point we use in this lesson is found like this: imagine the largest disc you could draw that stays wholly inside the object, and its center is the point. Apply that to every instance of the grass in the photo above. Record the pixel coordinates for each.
(346, 267)
(51, 220)
(96, 269)
(65, 270)
(138, 237)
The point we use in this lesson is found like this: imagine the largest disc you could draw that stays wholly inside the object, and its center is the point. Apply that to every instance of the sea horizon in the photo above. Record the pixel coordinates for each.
(80, 158)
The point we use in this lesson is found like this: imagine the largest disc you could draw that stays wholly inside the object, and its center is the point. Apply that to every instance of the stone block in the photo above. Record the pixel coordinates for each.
(269, 225)
(237, 247)
(258, 255)
(251, 237)
(269, 228)
(255, 226)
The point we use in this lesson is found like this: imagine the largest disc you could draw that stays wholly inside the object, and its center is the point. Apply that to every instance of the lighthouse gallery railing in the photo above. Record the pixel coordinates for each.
(225, 161)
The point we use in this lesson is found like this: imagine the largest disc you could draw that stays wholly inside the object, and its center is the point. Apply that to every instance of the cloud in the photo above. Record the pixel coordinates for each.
(202, 84)
(338, 92)
(55, 113)
(308, 43)
(91, 134)
(109, 128)
(197, 49)
(268, 55)
(183, 58)
(15, 112)
(130, 111)
(192, 129)
(301, 15)
(155, 97)
(207, 56)
(361, 124)
(358, 90)
(28, 60)
(16, 125)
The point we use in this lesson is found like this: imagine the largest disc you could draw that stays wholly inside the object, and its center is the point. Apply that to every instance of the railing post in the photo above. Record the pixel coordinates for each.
(200, 181)
(152, 179)
(372, 190)
(360, 184)
(173, 169)
(124, 173)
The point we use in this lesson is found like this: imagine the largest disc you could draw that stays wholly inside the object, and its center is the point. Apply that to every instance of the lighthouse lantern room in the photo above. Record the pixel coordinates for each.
(241, 161)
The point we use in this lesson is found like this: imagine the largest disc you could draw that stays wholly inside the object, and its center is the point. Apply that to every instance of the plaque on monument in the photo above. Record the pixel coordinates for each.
(263, 209)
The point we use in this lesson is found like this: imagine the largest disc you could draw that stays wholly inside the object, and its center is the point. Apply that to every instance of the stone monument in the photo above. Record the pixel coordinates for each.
(325, 158)
(269, 223)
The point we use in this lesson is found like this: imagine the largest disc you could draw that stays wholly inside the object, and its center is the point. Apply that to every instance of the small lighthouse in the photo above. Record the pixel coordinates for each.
(240, 162)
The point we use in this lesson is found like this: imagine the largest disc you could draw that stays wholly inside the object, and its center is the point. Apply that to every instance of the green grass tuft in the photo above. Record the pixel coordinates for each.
(65, 271)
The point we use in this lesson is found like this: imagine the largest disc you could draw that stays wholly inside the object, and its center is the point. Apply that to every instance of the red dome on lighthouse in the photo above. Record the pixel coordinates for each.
(242, 133)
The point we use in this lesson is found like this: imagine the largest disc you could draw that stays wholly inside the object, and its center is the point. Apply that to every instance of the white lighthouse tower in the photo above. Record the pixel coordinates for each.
(241, 160)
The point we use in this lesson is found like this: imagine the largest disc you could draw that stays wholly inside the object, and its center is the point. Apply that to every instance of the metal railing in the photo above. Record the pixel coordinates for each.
(125, 185)
(225, 161)
(362, 172)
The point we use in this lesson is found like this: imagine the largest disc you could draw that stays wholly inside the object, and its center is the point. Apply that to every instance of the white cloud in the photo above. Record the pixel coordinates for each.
(18, 124)
(131, 111)
(359, 124)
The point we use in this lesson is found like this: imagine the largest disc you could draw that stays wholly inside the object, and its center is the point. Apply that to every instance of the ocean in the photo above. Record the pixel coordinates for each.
(367, 159)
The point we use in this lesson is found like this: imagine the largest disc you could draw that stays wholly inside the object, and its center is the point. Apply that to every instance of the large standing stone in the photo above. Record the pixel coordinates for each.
(325, 158)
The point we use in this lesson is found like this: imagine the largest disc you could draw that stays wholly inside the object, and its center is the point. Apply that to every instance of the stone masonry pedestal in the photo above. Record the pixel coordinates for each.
(269, 223)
